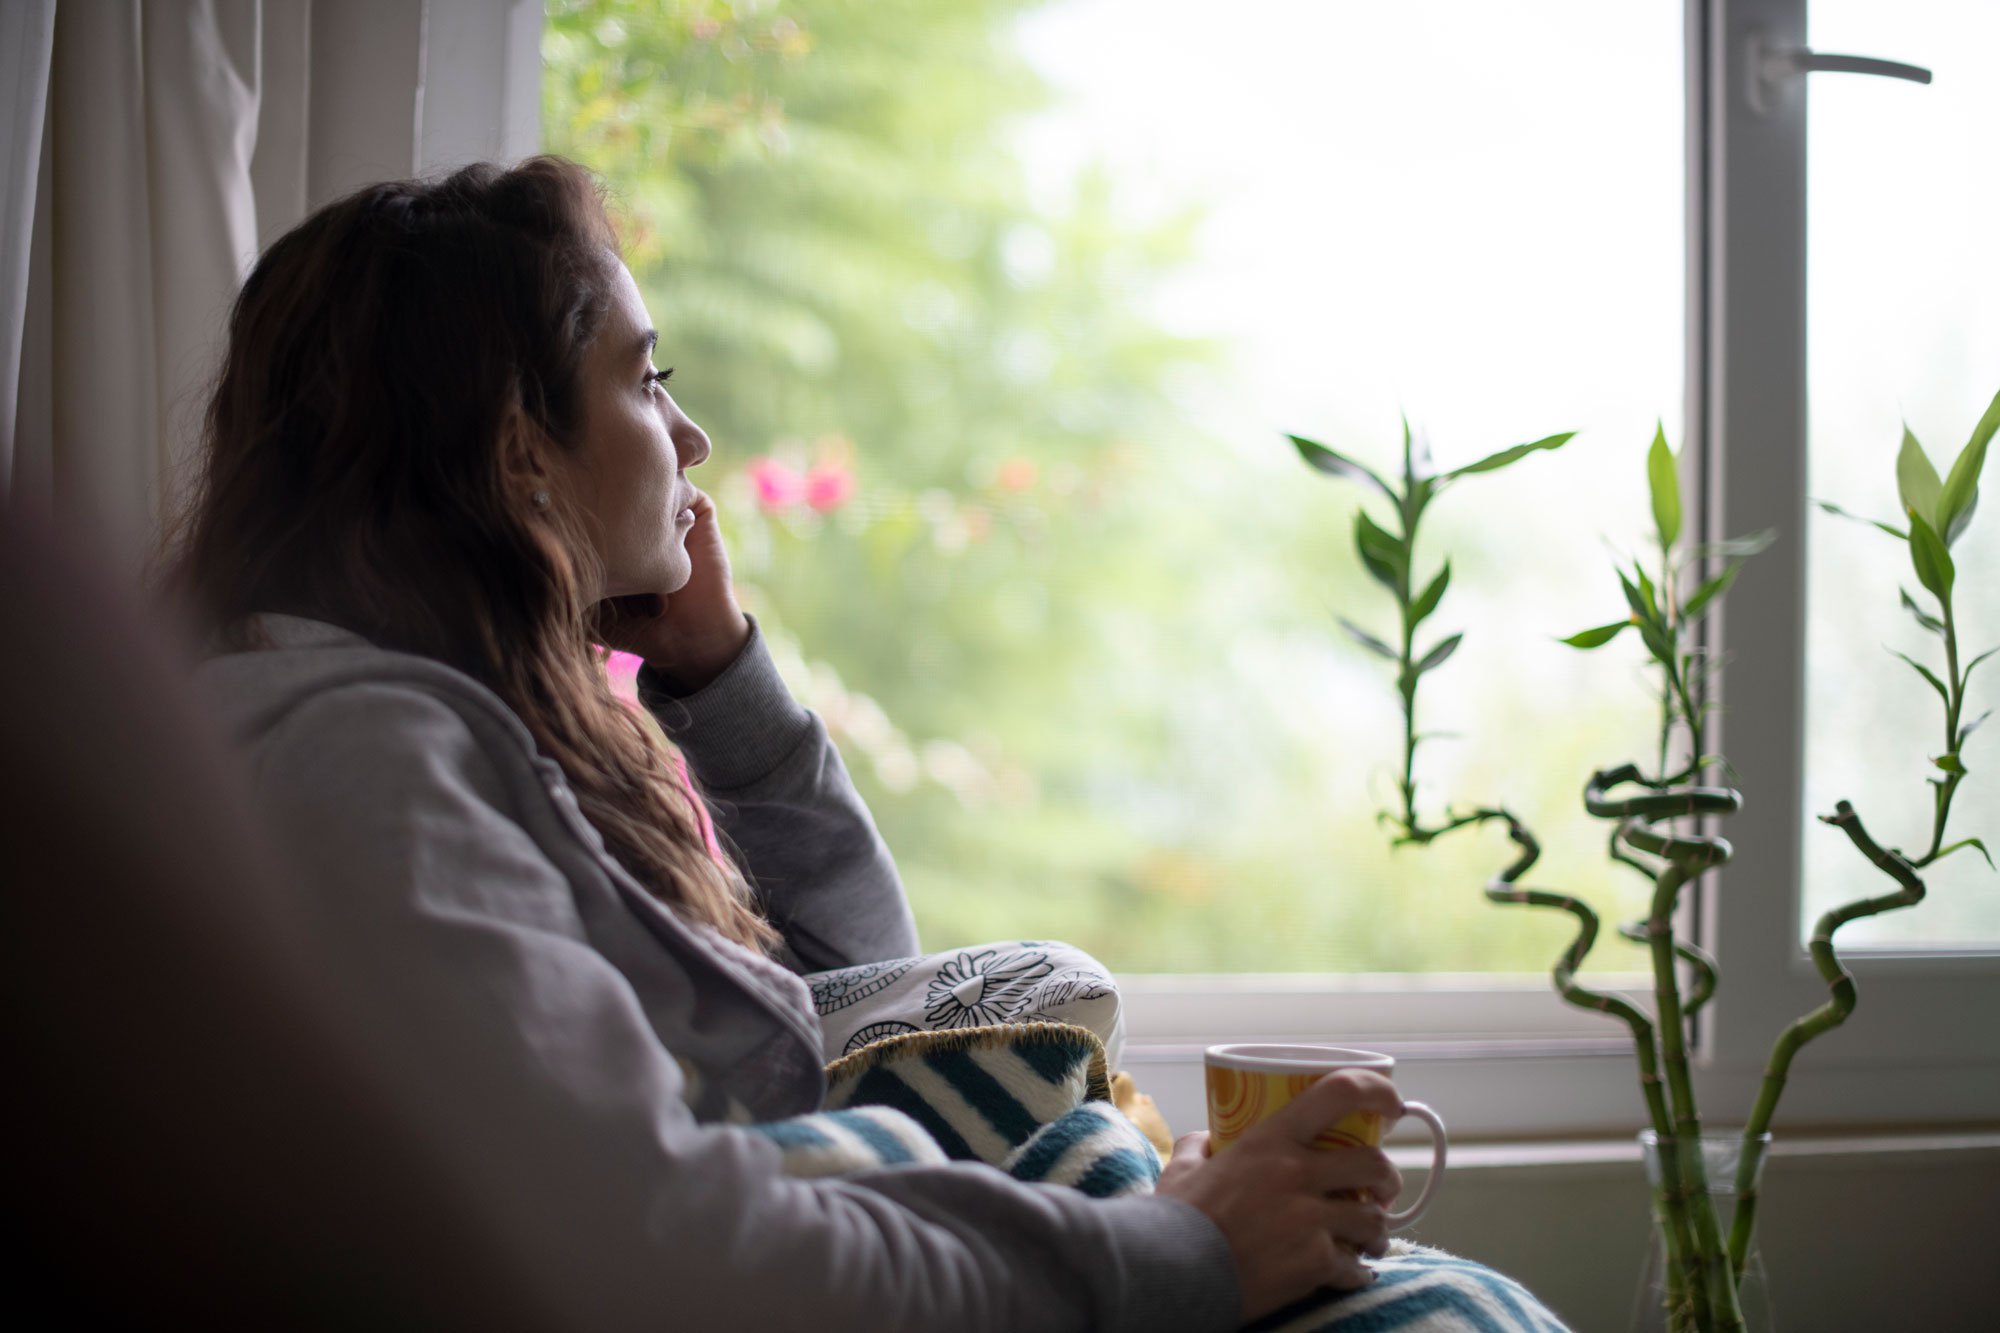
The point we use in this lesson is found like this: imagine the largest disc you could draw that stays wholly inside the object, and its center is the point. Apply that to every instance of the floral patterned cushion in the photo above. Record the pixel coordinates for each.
(1015, 981)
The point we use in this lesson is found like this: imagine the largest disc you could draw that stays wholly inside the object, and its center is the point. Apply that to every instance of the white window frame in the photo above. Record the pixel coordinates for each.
(1503, 1056)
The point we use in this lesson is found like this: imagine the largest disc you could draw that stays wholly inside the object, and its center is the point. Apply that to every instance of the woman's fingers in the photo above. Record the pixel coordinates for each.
(1354, 1170)
(1190, 1151)
(1331, 1100)
(1341, 1268)
(1296, 1217)
(1360, 1226)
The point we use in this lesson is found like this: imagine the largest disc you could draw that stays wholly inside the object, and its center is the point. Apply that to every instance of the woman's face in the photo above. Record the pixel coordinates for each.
(634, 445)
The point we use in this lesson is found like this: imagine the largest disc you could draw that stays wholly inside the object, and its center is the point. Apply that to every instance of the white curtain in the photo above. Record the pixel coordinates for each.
(153, 147)
(27, 32)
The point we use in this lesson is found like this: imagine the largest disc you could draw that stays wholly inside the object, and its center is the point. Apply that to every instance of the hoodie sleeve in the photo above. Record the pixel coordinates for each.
(778, 791)
(552, 1099)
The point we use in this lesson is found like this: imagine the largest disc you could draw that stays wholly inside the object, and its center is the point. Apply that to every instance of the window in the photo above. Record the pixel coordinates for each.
(1898, 264)
(999, 343)
(998, 337)
(1917, 1015)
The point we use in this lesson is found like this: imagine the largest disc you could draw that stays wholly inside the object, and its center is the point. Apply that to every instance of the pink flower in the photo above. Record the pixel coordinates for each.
(778, 486)
(829, 486)
(1016, 474)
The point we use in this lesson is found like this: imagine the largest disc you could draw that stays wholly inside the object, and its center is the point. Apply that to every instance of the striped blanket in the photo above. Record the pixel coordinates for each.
(1034, 1100)
(1420, 1290)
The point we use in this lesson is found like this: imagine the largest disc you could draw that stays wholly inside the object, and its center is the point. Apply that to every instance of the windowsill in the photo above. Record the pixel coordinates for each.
(1470, 1046)
(1561, 1157)
(1547, 1090)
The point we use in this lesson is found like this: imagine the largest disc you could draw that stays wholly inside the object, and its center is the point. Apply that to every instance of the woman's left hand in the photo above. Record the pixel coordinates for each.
(690, 635)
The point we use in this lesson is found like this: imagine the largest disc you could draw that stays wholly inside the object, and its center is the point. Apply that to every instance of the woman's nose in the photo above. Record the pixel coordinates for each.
(690, 443)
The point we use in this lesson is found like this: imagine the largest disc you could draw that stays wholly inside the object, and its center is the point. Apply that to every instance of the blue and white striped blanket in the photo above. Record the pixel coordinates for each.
(1034, 1100)
(1420, 1290)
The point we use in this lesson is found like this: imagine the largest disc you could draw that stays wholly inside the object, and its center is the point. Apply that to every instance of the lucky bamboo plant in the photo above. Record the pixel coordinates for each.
(1390, 557)
(1664, 818)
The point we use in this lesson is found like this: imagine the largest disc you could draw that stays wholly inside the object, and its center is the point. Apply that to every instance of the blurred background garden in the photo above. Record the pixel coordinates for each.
(996, 312)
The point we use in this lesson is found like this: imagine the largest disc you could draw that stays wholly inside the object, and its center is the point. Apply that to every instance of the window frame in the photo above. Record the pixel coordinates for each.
(1912, 1053)
(1502, 1054)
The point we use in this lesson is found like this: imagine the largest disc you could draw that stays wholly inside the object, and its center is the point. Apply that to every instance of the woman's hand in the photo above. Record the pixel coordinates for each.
(1272, 1195)
(692, 634)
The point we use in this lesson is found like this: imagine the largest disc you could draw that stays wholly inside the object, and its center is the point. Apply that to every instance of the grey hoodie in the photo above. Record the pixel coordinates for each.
(418, 810)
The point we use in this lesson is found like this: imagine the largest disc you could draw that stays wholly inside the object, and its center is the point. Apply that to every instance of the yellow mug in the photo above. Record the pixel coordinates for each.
(1246, 1083)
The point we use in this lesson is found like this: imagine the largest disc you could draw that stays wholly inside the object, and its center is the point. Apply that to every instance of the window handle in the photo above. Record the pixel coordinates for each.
(1772, 67)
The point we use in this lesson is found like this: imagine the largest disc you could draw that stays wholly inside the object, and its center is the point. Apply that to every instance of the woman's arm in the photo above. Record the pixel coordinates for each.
(778, 789)
(779, 792)
(553, 1101)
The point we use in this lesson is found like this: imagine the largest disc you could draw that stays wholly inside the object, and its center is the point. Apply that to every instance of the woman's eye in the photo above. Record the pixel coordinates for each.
(654, 377)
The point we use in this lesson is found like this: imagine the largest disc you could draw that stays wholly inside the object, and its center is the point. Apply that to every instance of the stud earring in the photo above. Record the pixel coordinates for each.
(541, 499)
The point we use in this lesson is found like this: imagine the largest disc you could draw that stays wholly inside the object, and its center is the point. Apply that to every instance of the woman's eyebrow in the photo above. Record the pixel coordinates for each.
(646, 342)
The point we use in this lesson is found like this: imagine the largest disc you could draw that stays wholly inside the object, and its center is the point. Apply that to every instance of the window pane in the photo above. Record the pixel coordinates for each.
(997, 314)
(1903, 329)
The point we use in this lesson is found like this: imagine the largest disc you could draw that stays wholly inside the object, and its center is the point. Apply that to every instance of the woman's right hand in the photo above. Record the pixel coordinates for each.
(1271, 1193)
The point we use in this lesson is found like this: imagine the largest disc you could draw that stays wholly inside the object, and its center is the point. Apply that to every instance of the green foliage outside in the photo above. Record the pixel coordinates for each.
(985, 543)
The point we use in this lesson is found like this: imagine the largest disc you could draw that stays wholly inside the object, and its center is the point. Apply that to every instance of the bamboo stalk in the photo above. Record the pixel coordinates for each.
(1840, 1004)
(1505, 888)
(1841, 996)
(1708, 1273)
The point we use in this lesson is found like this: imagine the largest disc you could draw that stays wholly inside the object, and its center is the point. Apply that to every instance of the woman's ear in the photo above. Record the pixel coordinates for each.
(524, 466)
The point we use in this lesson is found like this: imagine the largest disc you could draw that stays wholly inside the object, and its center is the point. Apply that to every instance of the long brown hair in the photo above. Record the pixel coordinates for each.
(383, 358)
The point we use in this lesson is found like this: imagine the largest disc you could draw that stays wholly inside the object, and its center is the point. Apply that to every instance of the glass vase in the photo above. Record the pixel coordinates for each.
(1653, 1308)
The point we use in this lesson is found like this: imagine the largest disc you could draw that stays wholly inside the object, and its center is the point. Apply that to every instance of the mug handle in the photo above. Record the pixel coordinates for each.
(1397, 1221)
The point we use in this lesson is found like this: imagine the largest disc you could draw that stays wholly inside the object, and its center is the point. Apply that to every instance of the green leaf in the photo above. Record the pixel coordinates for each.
(1838, 512)
(1648, 591)
(1337, 465)
(1419, 495)
(1961, 488)
(1381, 552)
(1368, 641)
(1494, 462)
(1755, 544)
(1950, 763)
(1965, 678)
(1428, 600)
(1665, 483)
(1657, 643)
(1961, 520)
(1711, 590)
(1597, 638)
(1928, 675)
(1436, 657)
(1974, 843)
(1644, 608)
(1417, 464)
(1933, 563)
(1917, 481)
(1924, 618)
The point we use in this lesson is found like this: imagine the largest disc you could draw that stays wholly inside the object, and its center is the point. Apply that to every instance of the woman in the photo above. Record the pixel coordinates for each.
(441, 464)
